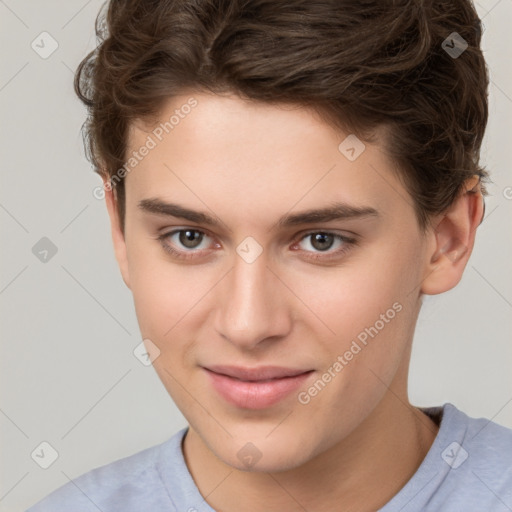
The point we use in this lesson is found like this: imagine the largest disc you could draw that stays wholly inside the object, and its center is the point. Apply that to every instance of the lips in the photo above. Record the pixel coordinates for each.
(255, 388)
(261, 373)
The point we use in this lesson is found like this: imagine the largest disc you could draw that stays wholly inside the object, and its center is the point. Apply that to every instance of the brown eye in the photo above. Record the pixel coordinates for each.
(190, 238)
(321, 241)
(324, 246)
(186, 243)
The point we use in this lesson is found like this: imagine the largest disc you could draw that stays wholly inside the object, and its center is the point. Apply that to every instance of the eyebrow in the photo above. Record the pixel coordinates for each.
(336, 211)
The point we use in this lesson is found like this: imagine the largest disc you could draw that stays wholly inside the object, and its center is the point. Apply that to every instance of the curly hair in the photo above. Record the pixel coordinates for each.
(360, 65)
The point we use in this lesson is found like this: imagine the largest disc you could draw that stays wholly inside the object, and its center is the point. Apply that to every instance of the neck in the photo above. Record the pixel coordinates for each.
(363, 471)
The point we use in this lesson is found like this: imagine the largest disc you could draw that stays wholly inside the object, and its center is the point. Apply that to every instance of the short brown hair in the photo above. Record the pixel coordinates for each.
(360, 64)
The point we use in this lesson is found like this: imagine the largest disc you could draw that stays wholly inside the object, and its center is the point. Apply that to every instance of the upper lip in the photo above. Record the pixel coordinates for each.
(255, 374)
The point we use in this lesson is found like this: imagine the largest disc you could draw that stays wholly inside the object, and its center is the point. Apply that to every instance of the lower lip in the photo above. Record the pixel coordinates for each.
(255, 395)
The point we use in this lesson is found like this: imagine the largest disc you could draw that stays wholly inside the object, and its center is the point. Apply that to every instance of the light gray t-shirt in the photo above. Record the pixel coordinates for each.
(467, 469)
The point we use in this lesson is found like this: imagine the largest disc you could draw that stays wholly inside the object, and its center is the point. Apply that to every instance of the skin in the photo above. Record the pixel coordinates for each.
(359, 440)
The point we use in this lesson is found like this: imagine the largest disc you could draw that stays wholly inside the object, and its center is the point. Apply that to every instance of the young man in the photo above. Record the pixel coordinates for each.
(285, 180)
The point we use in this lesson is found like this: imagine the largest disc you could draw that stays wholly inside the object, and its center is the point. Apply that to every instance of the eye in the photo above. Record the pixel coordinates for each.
(324, 244)
(188, 243)
(320, 241)
(189, 238)
(185, 243)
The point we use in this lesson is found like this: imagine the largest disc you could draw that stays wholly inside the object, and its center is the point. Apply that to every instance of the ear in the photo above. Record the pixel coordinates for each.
(118, 237)
(453, 238)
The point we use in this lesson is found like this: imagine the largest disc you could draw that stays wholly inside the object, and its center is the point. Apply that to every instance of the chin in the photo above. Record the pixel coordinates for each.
(266, 453)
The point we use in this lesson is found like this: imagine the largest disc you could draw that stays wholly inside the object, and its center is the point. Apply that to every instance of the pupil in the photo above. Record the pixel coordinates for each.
(190, 238)
(322, 241)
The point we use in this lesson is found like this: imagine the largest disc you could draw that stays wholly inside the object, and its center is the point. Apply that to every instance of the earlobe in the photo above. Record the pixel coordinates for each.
(118, 238)
(454, 236)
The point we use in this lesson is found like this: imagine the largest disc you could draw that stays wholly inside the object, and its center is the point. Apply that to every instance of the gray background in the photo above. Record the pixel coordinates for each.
(68, 373)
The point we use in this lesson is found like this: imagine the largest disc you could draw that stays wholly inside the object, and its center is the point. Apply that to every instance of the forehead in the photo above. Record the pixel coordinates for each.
(257, 158)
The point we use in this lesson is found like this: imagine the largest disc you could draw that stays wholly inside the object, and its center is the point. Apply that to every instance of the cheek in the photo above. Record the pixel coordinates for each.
(364, 311)
(154, 299)
(371, 317)
(158, 296)
(347, 300)
(172, 304)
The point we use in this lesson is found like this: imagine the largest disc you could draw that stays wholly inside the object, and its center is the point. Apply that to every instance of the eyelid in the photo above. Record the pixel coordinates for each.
(297, 238)
(326, 256)
(348, 242)
(175, 231)
(177, 253)
(327, 231)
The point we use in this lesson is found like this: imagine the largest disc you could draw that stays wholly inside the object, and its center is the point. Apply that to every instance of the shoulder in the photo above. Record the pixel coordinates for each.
(468, 467)
(475, 460)
(486, 442)
(489, 453)
(126, 484)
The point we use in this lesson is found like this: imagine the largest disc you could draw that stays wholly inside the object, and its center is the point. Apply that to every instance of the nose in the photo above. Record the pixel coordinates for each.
(253, 306)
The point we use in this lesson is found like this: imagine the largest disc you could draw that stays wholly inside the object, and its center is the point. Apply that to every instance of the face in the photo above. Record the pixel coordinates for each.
(285, 248)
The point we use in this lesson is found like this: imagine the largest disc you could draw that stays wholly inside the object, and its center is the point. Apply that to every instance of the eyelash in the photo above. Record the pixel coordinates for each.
(348, 243)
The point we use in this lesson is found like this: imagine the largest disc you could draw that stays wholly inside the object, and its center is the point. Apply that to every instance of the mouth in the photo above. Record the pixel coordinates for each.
(258, 374)
(258, 388)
